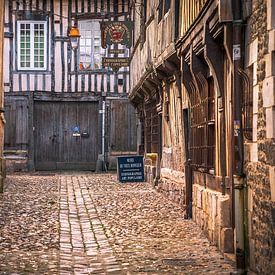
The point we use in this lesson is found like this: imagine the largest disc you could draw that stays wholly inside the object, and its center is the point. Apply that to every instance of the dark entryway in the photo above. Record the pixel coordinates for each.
(66, 135)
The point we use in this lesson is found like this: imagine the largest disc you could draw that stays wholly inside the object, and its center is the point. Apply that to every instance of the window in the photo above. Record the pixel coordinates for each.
(203, 125)
(160, 9)
(167, 4)
(246, 77)
(163, 8)
(32, 39)
(90, 51)
(152, 127)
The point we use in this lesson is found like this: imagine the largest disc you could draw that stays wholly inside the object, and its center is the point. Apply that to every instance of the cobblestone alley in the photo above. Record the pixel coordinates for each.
(91, 224)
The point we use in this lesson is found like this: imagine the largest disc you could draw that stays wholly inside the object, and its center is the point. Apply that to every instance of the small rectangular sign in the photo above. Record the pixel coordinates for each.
(237, 52)
(130, 169)
(116, 51)
(115, 62)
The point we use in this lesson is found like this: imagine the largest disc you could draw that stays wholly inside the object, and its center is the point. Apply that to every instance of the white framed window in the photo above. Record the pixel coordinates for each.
(90, 51)
(32, 45)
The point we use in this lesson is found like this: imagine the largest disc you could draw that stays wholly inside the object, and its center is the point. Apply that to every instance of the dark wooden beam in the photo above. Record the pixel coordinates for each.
(186, 77)
(213, 55)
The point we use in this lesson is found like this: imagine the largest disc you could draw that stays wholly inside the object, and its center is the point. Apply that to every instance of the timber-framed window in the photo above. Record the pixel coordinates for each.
(32, 45)
(90, 51)
(203, 126)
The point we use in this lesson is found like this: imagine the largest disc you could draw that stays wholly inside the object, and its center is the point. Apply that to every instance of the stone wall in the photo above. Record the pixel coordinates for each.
(172, 184)
(212, 212)
(260, 153)
(16, 161)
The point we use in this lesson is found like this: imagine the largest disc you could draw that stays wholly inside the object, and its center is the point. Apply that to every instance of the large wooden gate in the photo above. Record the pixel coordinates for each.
(66, 135)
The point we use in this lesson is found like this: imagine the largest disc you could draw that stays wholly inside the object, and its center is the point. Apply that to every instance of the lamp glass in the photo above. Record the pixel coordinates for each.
(74, 42)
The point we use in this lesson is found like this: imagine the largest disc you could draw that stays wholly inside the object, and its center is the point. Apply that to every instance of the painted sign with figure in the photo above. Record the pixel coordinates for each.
(130, 169)
(116, 32)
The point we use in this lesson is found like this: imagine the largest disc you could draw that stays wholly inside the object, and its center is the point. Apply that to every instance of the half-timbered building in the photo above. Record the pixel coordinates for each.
(64, 110)
(203, 84)
(156, 92)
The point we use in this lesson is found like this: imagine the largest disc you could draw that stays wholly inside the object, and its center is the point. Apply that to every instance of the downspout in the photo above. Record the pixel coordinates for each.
(103, 132)
(238, 151)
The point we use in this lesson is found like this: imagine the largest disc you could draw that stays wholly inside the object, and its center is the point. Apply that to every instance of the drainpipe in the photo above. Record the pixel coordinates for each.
(238, 158)
(101, 161)
(103, 132)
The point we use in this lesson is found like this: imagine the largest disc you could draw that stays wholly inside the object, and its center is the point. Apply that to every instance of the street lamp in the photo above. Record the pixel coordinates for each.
(74, 37)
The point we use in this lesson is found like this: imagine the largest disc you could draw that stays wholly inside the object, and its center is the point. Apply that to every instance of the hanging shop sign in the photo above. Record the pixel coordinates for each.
(116, 32)
(115, 62)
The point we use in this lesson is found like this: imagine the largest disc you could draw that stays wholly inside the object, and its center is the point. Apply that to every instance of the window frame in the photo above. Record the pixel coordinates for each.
(32, 23)
(93, 53)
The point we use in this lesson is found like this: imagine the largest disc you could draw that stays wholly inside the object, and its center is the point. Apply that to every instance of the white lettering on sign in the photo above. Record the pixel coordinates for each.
(131, 160)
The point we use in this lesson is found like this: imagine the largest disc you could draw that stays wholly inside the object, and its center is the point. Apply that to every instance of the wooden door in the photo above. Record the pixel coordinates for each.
(123, 128)
(16, 128)
(66, 135)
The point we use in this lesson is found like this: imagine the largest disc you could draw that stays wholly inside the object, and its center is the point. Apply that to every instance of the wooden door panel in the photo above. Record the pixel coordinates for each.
(123, 137)
(45, 136)
(62, 150)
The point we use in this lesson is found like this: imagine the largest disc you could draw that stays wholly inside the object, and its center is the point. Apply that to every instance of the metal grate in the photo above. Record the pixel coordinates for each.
(203, 125)
(247, 103)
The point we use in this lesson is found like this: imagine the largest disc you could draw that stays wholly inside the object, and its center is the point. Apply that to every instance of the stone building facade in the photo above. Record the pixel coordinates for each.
(260, 151)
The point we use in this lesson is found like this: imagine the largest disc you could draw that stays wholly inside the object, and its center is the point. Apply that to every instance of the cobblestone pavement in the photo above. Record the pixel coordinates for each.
(29, 241)
(104, 227)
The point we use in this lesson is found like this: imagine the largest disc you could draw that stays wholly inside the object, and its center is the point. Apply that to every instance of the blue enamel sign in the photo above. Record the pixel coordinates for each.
(130, 169)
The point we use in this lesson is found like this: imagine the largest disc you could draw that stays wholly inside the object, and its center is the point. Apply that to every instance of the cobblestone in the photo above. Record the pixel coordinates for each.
(29, 225)
(91, 224)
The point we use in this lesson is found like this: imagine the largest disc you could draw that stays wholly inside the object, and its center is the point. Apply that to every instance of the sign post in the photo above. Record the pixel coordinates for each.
(130, 169)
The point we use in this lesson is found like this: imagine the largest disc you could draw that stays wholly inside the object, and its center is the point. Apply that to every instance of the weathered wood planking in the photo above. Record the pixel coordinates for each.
(61, 61)
(122, 118)
(16, 128)
(55, 145)
(189, 11)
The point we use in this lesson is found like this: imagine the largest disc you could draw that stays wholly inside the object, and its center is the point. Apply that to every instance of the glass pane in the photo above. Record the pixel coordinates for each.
(97, 49)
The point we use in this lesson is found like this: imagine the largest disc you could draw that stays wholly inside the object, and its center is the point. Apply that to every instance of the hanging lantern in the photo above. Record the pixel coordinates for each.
(74, 37)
